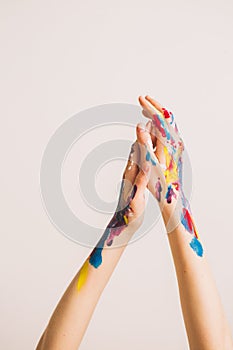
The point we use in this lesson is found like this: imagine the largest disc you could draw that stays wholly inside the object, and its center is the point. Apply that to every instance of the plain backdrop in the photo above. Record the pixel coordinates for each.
(60, 57)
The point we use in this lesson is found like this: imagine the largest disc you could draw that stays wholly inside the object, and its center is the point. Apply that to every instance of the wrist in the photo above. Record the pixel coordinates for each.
(122, 239)
(172, 213)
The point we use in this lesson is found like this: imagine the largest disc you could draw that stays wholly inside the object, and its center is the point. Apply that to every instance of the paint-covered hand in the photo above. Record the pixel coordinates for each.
(162, 146)
(131, 206)
(131, 203)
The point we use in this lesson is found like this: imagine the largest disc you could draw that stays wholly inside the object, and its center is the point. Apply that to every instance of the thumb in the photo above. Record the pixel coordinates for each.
(143, 135)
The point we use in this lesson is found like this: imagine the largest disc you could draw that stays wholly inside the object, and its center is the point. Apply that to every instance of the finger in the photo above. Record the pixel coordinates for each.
(147, 108)
(131, 168)
(142, 180)
(146, 147)
(137, 204)
(166, 132)
(158, 147)
(149, 126)
(147, 153)
(168, 115)
(159, 150)
(146, 114)
(154, 103)
(130, 173)
(143, 135)
(159, 109)
(150, 129)
(159, 121)
(157, 142)
(159, 153)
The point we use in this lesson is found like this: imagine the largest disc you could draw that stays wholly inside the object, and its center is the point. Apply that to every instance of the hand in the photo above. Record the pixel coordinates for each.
(131, 205)
(167, 161)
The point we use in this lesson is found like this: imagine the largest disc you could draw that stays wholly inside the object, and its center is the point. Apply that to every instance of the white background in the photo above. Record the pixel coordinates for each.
(60, 57)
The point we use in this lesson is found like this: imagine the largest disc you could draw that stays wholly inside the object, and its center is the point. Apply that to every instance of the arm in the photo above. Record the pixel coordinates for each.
(204, 318)
(70, 319)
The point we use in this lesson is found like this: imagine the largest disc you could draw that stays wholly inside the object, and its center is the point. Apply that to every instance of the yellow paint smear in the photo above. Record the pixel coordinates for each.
(82, 275)
(195, 230)
(126, 219)
(171, 172)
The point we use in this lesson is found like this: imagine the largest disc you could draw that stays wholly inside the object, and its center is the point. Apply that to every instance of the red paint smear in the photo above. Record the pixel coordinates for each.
(176, 185)
(158, 125)
(189, 220)
(165, 113)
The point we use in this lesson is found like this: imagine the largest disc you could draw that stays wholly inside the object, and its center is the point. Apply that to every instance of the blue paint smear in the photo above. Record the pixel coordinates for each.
(96, 256)
(180, 170)
(169, 194)
(148, 158)
(196, 246)
(185, 223)
(173, 150)
(162, 122)
(172, 118)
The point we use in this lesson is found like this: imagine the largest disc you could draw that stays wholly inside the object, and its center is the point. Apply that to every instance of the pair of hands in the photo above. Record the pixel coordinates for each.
(155, 162)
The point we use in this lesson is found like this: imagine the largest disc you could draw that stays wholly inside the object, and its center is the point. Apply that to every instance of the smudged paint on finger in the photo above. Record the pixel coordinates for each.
(168, 115)
(149, 158)
(160, 124)
(158, 190)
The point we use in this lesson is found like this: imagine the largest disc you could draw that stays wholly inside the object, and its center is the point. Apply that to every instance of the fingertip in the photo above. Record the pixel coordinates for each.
(140, 98)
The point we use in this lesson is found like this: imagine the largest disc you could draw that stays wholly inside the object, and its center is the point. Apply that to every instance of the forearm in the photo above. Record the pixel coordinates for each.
(204, 318)
(71, 317)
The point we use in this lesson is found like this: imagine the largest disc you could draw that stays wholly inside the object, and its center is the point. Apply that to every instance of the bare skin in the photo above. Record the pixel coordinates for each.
(205, 321)
(74, 311)
(206, 324)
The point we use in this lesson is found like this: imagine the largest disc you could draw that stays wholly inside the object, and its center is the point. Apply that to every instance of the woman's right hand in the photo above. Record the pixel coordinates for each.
(165, 183)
